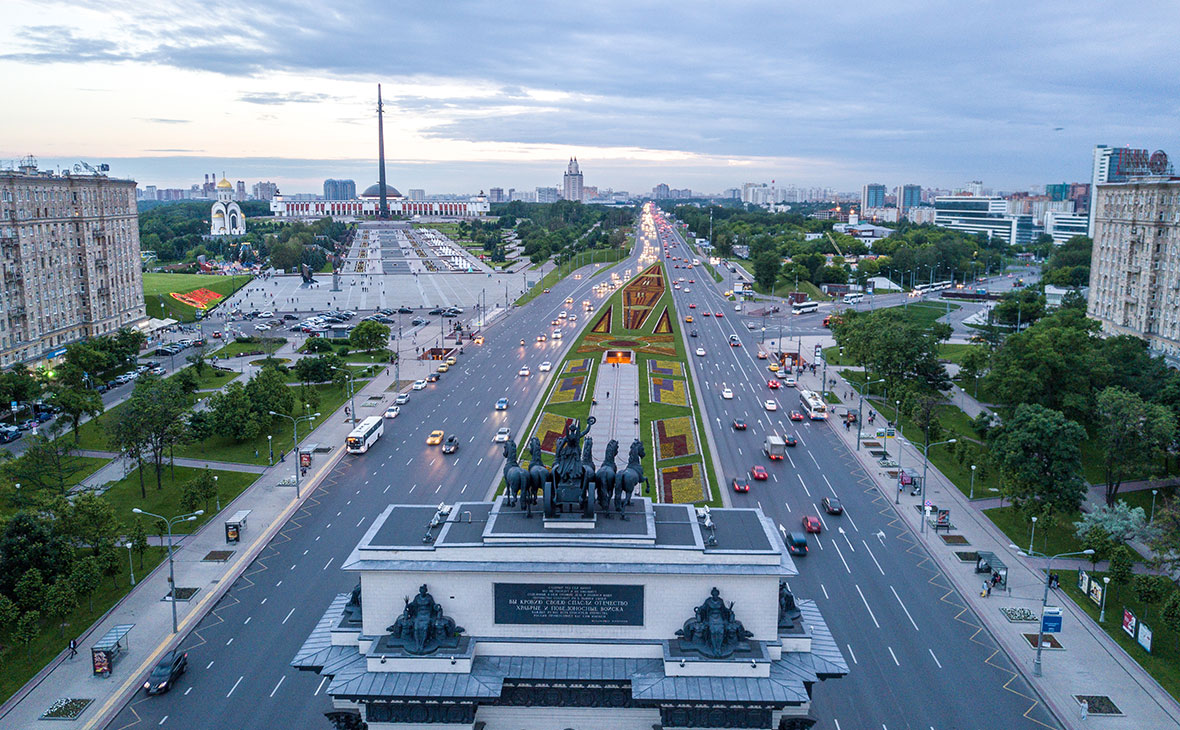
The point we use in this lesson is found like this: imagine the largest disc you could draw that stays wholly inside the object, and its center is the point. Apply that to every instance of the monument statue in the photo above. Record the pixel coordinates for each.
(713, 631)
(422, 628)
(569, 484)
(787, 611)
(352, 609)
(516, 478)
(632, 475)
(604, 480)
(538, 472)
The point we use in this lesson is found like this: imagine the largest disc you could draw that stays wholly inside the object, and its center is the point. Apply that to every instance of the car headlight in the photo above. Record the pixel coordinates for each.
(147, 685)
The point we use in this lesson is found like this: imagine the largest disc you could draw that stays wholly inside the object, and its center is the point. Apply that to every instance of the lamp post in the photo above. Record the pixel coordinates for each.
(860, 410)
(1045, 598)
(925, 467)
(270, 445)
(1032, 533)
(18, 502)
(1149, 521)
(1105, 588)
(295, 440)
(351, 402)
(216, 493)
(189, 517)
(130, 562)
(896, 429)
(972, 496)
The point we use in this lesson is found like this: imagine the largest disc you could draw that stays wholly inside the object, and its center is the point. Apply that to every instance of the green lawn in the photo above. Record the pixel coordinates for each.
(783, 288)
(125, 495)
(268, 345)
(20, 664)
(1051, 539)
(93, 435)
(219, 448)
(157, 287)
(955, 352)
(376, 356)
(924, 314)
(212, 378)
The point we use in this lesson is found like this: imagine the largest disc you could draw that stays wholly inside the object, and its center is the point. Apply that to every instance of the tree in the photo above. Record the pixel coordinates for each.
(766, 269)
(199, 491)
(1132, 432)
(1038, 451)
(369, 335)
(30, 590)
(76, 402)
(125, 434)
(159, 407)
(59, 602)
(1120, 522)
(1165, 543)
(84, 579)
(1150, 589)
(317, 344)
(1171, 612)
(9, 613)
(267, 391)
(48, 463)
(1121, 565)
(27, 629)
(1097, 539)
(30, 541)
(319, 369)
(923, 410)
(233, 414)
(91, 522)
(974, 364)
(110, 562)
(198, 360)
(138, 539)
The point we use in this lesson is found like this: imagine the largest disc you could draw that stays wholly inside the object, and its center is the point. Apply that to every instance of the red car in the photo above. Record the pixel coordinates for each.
(719, 315)
(759, 473)
(773, 384)
(692, 306)
(741, 484)
(739, 424)
(692, 281)
(812, 524)
(705, 314)
(796, 416)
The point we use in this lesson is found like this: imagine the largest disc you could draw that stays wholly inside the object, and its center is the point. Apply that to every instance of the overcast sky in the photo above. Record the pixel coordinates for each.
(705, 95)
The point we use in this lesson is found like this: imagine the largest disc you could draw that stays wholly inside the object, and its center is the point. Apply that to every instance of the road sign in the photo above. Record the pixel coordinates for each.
(1051, 620)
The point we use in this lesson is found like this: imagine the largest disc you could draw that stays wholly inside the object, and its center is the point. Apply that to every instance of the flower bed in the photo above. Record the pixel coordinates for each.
(67, 708)
(668, 391)
(1019, 615)
(550, 427)
(682, 484)
(578, 366)
(674, 438)
(602, 326)
(664, 323)
(665, 367)
(646, 344)
(640, 296)
(569, 388)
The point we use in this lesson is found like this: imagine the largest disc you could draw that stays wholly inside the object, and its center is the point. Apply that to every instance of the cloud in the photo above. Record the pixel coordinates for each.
(290, 97)
(159, 120)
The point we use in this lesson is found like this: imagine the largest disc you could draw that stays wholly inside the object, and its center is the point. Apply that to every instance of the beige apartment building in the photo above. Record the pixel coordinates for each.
(1135, 264)
(69, 260)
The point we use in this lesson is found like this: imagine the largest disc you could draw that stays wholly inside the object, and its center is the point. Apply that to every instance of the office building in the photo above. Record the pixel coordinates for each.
(70, 261)
(872, 196)
(1135, 264)
(339, 189)
(1120, 164)
(496, 195)
(1057, 191)
(987, 215)
(920, 215)
(416, 194)
(661, 191)
(548, 195)
(240, 190)
(572, 181)
(1063, 226)
(265, 190)
(908, 196)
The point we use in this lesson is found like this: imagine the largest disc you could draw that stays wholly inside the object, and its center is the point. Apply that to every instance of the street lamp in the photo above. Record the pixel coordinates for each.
(972, 496)
(860, 410)
(1149, 521)
(295, 440)
(925, 467)
(1045, 599)
(18, 502)
(1105, 588)
(189, 517)
(270, 461)
(216, 492)
(351, 402)
(130, 563)
(1032, 533)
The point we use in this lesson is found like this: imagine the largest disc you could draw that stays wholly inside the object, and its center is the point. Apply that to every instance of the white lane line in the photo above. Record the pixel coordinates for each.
(812, 456)
(288, 616)
(163, 720)
(328, 563)
(437, 488)
(247, 620)
(894, 656)
(383, 491)
(359, 523)
(408, 462)
(231, 689)
(819, 513)
(190, 689)
(803, 483)
(907, 611)
(851, 653)
(841, 554)
(792, 462)
(276, 689)
(787, 505)
(846, 539)
(209, 665)
(850, 520)
(479, 462)
(231, 640)
(412, 489)
(874, 557)
(866, 602)
(263, 602)
(305, 552)
(825, 590)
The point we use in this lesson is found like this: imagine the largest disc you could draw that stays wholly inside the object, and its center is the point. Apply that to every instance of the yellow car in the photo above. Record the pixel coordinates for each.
(773, 367)
(478, 339)
(443, 368)
(451, 360)
(688, 319)
(435, 438)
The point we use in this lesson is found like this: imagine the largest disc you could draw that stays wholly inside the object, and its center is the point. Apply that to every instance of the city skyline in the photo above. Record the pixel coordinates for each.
(772, 94)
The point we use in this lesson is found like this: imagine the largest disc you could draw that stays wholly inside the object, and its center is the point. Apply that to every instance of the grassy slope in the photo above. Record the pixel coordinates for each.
(125, 494)
(157, 287)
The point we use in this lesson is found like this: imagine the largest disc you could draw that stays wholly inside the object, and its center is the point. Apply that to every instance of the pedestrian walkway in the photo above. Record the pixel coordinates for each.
(1091, 663)
(615, 407)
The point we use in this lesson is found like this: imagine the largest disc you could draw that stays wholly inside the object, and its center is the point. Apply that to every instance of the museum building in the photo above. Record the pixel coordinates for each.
(368, 202)
(481, 616)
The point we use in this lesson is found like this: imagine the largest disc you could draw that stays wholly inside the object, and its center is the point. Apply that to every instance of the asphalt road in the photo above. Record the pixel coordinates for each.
(917, 657)
(238, 655)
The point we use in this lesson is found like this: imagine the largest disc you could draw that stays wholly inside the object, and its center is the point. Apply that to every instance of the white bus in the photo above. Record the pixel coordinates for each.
(813, 404)
(921, 289)
(853, 298)
(365, 435)
(804, 307)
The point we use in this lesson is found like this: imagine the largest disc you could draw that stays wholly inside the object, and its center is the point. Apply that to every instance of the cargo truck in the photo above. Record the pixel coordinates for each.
(774, 447)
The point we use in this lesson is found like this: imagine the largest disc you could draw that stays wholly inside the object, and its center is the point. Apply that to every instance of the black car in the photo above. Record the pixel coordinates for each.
(449, 314)
(420, 321)
(451, 445)
(432, 378)
(404, 310)
(739, 424)
(290, 318)
(9, 434)
(385, 310)
(436, 311)
(171, 666)
(692, 334)
(832, 506)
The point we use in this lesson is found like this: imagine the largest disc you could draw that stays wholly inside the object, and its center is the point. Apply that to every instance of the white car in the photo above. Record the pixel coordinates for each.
(557, 334)
(727, 394)
(261, 327)
(501, 435)
(402, 398)
(419, 385)
(392, 411)
(573, 318)
(700, 352)
(545, 367)
(524, 372)
(790, 382)
(771, 405)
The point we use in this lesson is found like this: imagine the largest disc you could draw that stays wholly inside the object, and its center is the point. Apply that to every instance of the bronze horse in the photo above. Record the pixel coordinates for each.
(604, 478)
(515, 477)
(538, 473)
(630, 477)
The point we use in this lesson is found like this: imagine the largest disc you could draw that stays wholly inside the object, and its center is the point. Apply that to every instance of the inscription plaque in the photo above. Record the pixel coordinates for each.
(576, 605)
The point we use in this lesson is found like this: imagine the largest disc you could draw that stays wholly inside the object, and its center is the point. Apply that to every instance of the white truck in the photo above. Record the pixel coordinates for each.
(774, 447)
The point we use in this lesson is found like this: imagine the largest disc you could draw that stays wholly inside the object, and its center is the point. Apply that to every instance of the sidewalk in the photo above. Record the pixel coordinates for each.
(616, 391)
(146, 607)
(1091, 662)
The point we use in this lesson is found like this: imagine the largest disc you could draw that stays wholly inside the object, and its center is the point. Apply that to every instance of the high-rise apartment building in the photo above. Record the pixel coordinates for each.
(1120, 164)
(339, 189)
(416, 194)
(572, 181)
(1135, 263)
(69, 260)
(547, 195)
(987, 215)
(908, 196)
(872, 196)
(661, 191)
(496, 195)
(265, 190)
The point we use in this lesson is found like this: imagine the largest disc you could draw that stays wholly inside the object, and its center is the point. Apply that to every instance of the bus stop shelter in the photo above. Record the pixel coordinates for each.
(987, 562)
(108, 650)
(235, 524)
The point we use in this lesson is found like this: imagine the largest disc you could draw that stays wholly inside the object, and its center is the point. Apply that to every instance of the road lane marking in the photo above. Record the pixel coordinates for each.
(276, 689)
(359, 523)
(851, 520)
(874, 557)
(247, 620)
(190, 689)
(164, 719)
(894, 656)
(787, 505)
(803, 483)
(841, 554)
(231, 689)
(288, 615)
(935, 658)
(866, 602)
(209, 665)
(383, 491)
(907, 611)
(328, 563)
(851, 653)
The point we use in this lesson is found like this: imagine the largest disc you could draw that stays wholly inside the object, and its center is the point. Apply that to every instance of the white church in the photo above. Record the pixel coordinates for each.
(226, 218)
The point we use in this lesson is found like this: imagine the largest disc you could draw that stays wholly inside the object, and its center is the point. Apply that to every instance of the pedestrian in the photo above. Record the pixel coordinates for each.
(988, 588)
(73, 648)
(983, 592)
(847, 425)
(608, 394)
